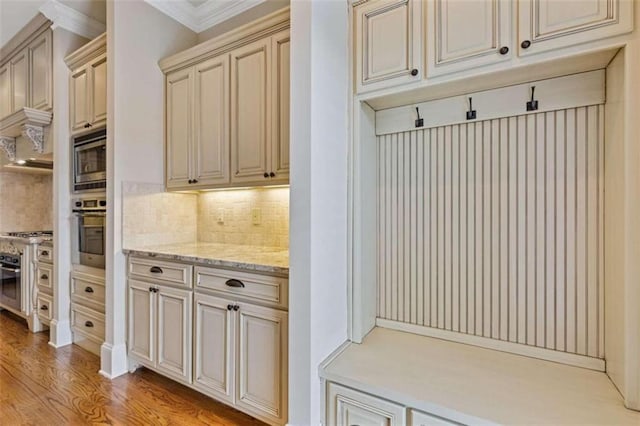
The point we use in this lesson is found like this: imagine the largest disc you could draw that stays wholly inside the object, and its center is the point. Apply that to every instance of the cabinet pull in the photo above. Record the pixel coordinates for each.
(44, 277)
(150, 289)
(234, 283)
(155, 270)
(236, 307)
(414, 72)
(44, 308)
(525, 44)
(504, 50)
(88, 290)
(272, 174)
(44, 253)
(195, 181)
(88, 324)
(266, 175)
(229, 307)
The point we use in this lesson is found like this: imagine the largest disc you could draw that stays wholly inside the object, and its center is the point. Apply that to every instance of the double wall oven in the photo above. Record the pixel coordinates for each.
(91, 218)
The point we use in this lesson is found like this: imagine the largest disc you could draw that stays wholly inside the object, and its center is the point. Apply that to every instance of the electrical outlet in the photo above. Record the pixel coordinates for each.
(256, 216)
(220, 218)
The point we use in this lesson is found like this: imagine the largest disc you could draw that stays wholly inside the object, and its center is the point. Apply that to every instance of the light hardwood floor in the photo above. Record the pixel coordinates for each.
(41, 385)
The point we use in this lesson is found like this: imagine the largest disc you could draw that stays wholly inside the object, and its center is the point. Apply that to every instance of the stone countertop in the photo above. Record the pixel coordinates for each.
(249, 258)
(26, 241)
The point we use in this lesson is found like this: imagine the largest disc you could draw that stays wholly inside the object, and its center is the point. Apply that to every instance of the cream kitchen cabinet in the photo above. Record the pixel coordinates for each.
(467, 34)
(160, 328)
(550, 24)
(5, 90)
(227, 118)
(348, 407)
(388, 41)
(88, 86)
(197, 105)
(19, 66)
(40, 72)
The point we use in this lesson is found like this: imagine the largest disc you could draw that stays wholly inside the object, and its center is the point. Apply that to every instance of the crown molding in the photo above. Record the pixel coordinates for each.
(89, 51)
(66, 17)
(202, 17)
(26, 35)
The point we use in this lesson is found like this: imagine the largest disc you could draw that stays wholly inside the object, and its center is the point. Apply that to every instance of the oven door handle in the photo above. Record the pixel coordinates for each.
(90, 213)
(4, 268)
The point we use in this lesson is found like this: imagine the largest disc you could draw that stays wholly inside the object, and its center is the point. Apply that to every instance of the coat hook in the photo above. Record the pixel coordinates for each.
(471, 114)
(532, 105)
(419, 121)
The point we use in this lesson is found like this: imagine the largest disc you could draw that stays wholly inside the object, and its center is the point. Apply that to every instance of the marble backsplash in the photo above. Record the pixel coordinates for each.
(152, 217)
(26, 201)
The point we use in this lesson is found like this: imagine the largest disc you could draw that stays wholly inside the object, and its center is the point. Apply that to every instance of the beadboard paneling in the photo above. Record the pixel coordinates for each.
(494, 228)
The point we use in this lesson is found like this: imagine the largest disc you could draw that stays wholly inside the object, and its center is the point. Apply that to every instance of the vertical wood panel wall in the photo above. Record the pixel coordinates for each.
(495, 228)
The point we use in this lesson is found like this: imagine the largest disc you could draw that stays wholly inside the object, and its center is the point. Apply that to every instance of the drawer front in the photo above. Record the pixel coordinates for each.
(418, 418)
(347, 407)
(261, 288)
(44, 304)
(44, 276)
(159, 271)
(44, 254)
(88, 322)
(85, 289)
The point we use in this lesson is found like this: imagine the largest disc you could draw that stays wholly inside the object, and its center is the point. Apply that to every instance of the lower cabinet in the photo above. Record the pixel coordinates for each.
(349, 407)
(241, 355)
(160, 328)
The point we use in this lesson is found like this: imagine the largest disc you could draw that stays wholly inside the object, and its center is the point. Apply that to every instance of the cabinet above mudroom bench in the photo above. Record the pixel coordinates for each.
(404, 42)
(227, 109)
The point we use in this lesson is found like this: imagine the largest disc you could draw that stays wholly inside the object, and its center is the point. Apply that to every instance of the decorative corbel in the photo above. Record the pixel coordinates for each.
(9, 146)
(36, 135)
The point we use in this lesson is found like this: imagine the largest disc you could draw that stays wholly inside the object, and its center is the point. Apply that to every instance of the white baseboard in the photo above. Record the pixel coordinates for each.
(60, 333)
(113, 360)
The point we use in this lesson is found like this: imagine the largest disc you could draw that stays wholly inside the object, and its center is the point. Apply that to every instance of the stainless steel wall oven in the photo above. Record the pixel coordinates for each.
(90, 161)
(91, 217)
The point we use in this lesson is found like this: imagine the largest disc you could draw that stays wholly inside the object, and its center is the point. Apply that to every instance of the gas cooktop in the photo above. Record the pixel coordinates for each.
(31, 234)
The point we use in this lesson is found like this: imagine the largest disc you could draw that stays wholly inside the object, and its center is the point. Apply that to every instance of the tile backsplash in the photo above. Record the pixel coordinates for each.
(26, 201)
(237, 207)
(154, 217)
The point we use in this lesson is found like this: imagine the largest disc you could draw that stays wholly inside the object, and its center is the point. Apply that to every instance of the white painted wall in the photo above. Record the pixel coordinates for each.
(318, 200)
(138, 35)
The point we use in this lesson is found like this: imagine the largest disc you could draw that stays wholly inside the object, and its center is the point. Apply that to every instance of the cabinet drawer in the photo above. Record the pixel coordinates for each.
(88, 290)
(44, 276)
(261, 288)
(44, 304)
(159, 271)
(347, 407)
(88, 322)
(44, 254)
(418, 418)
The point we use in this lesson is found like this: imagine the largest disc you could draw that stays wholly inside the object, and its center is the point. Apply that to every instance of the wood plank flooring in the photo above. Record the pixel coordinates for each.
(41, 385)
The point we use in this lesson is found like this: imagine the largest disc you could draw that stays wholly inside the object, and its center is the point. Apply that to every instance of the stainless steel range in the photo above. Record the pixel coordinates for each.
(10, 281)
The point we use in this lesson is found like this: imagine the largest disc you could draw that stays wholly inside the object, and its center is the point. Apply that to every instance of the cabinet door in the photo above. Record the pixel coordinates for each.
(281, 43)
(40, 75)
(467, 34)
(178, 129)
(552, 24)
(387, 39)
(141, 339)
(78, 99)
(174, 332)
(211, 117)
(214, 347)
(348, 407)
(19, 80)
(98, 93)
(250, 105)
(262, 362)
(5, 91)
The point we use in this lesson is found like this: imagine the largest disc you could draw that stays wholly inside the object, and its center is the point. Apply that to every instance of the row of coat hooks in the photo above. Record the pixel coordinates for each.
(471, 114)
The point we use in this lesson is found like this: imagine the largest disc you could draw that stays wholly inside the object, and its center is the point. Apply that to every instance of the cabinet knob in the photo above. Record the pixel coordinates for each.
(44, 277)
(195, 181)
(504, 50)
(190, 181)
(229, 307)
(525, 44)
(150, 289)
(236, 307)
(414, 72)
(266, 175)
(44, 253)
(88, 290)
(44, 308)
(272, 174)
(88, 324)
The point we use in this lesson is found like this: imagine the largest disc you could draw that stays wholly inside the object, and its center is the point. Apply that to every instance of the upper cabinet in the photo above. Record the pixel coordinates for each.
(227, 109)
(26, 75)
(550, 24)
(392, 36)
(387, 37)
(467, 34)
(88, 86)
